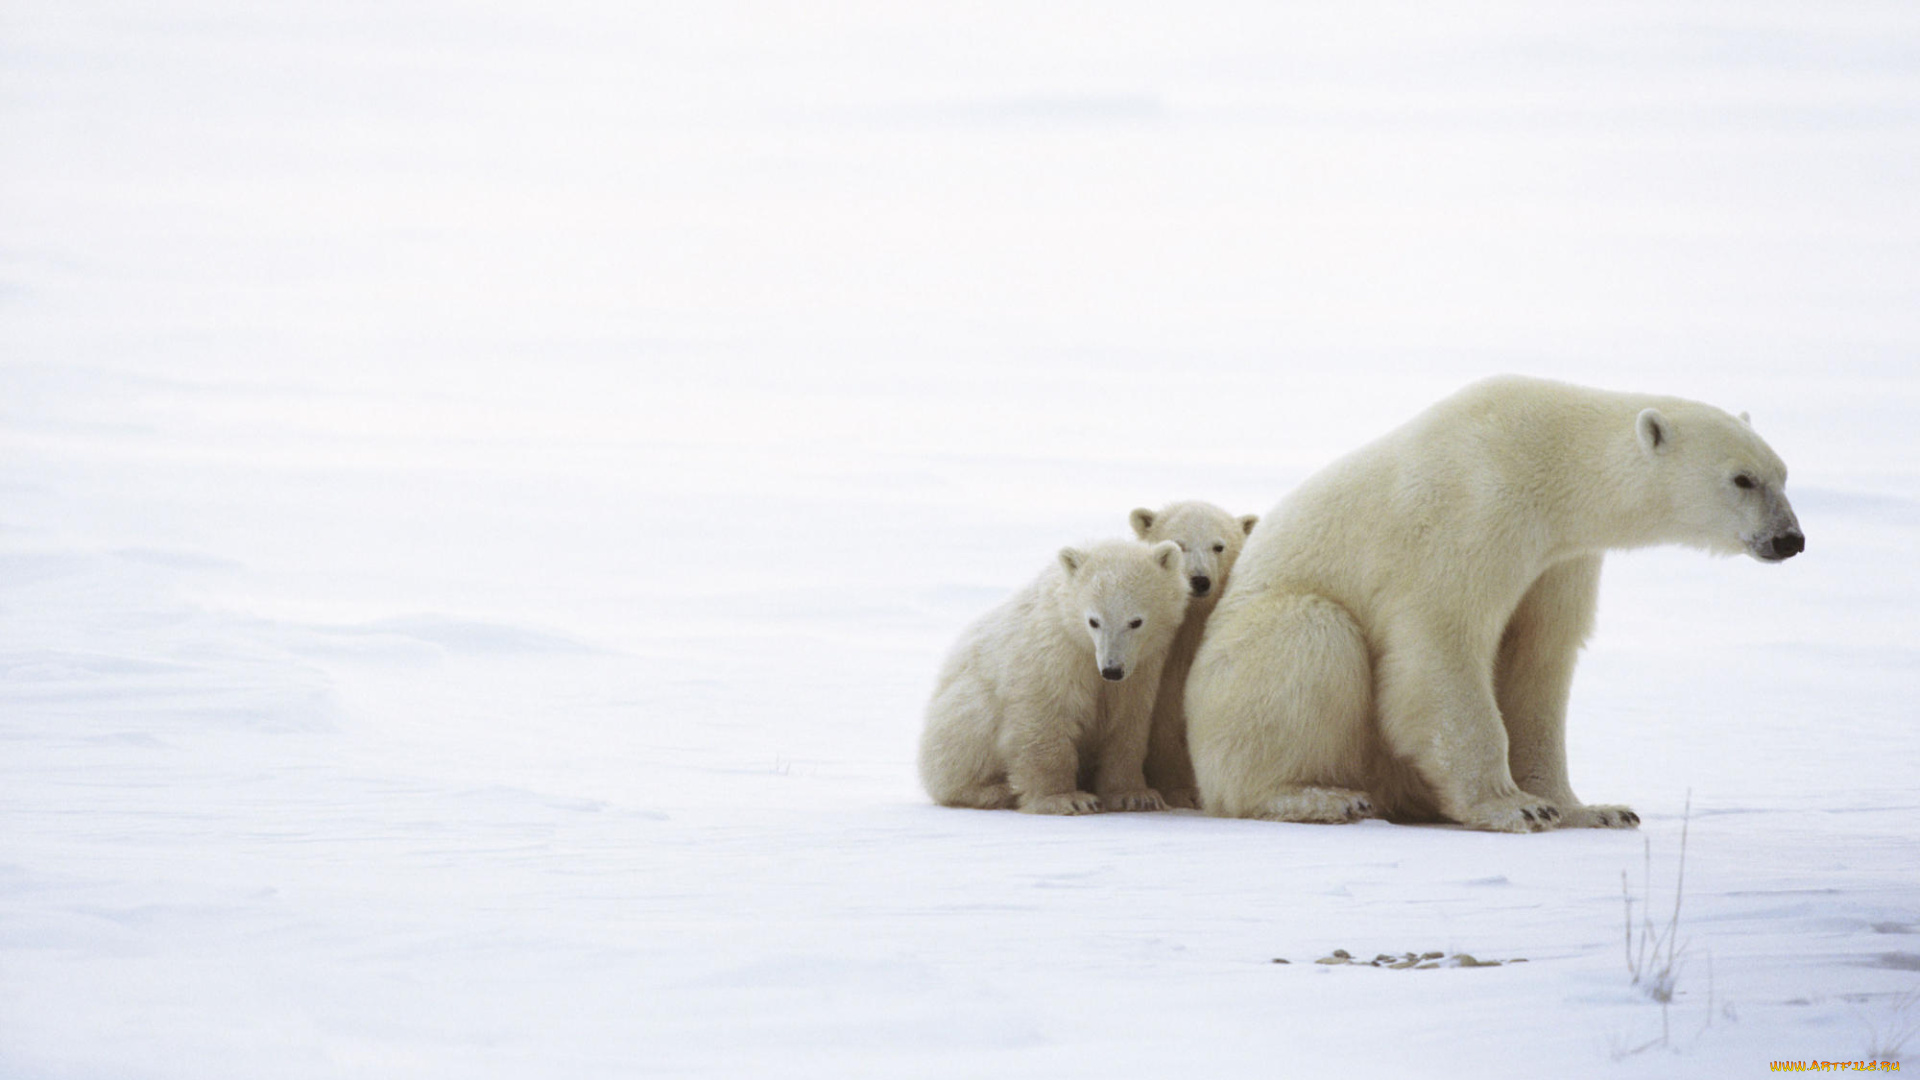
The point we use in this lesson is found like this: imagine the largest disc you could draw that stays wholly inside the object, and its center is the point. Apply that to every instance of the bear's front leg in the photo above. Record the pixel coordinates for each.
(1437, 710)
(1533, 679)
(1169, 767)
(1120, 769)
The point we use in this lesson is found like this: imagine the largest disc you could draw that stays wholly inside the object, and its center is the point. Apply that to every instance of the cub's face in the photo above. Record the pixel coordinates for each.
(1210, 540)
(1728, 486)
(1121, 605)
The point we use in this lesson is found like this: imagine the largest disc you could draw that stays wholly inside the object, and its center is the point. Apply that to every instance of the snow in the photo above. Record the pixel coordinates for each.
(484, 490)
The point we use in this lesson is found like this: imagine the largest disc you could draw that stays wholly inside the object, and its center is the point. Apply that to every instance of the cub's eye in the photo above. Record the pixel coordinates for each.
(1218, 548)
(1743, 482)
(1135, 624)
(1095, 623)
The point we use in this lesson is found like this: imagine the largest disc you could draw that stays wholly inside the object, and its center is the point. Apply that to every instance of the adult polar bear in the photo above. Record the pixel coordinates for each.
(1399, 634)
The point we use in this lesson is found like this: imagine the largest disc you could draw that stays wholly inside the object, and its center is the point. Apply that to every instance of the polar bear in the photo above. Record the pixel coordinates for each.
(1210, 540)
(1400, 633)
(1045, 701)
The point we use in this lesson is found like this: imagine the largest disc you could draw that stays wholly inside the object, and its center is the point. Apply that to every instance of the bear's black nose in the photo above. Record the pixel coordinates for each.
(1201, 583)
(1113, 674)
(1787, 545)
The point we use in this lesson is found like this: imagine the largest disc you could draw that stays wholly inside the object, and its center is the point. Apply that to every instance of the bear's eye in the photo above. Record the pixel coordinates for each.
(1135, 624)
(1218, 548)
(1743, 482)
(1095, 623)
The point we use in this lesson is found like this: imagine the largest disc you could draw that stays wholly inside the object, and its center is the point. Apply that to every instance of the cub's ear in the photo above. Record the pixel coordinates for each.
(1167, 554)
(1654, 430)
(1745, 419)
(1071, 558)
(1248, 521)
(1142, 521)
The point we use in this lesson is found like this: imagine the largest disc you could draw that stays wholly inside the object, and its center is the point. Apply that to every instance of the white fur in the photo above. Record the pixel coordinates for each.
(1400, 633)
(1021, 713)
(1210, 540)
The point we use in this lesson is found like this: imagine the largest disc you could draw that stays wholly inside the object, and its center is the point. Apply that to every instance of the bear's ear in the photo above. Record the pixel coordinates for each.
(1247, 522)
(1167, 554)
(1071, 558)
(1142, 521)
(1655, 431)
(1745, 419)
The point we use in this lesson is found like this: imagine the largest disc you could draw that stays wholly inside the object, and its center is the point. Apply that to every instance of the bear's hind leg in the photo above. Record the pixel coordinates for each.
(1044, 767)
(1278, 711)
(982, 796)
(959, 762)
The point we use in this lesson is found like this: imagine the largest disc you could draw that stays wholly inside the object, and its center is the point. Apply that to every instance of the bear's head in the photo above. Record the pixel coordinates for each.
(1726, 486)
(1125, 595)
(1210, 540)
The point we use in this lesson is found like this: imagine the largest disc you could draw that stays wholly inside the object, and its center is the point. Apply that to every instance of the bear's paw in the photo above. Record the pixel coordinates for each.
(1067, 802)
(1318, 805)
(1141, 799)
(1600, 817)
(1522, 813)
(1181, 798)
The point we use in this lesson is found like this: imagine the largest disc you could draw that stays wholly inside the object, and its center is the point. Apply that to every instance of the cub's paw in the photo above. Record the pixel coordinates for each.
(1181, 798)
(1067, 802)
(1520, 813)
(1140, 799)
(1600, 817)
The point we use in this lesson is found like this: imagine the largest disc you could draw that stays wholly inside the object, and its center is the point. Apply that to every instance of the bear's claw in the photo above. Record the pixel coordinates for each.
(1520, 814)
(1181, 799)
(1067, 802)
(1603, 817)
(1324, 806)
(1143, 799)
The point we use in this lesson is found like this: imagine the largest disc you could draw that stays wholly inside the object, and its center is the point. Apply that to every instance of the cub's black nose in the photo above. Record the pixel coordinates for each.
(1113, 674)
(1201, 583)
(1787, 545)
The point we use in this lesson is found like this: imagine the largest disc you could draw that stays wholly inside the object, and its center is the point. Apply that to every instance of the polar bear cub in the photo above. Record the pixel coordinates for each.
(1210, 540)
(1044, 703)
(1400, 633)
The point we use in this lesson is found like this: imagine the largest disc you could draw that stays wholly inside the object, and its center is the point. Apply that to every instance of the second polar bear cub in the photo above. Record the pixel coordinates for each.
(1210, 541)
(1045, 701)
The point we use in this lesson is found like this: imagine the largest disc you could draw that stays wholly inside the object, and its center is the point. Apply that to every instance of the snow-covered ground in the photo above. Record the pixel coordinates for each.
(484, 490)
